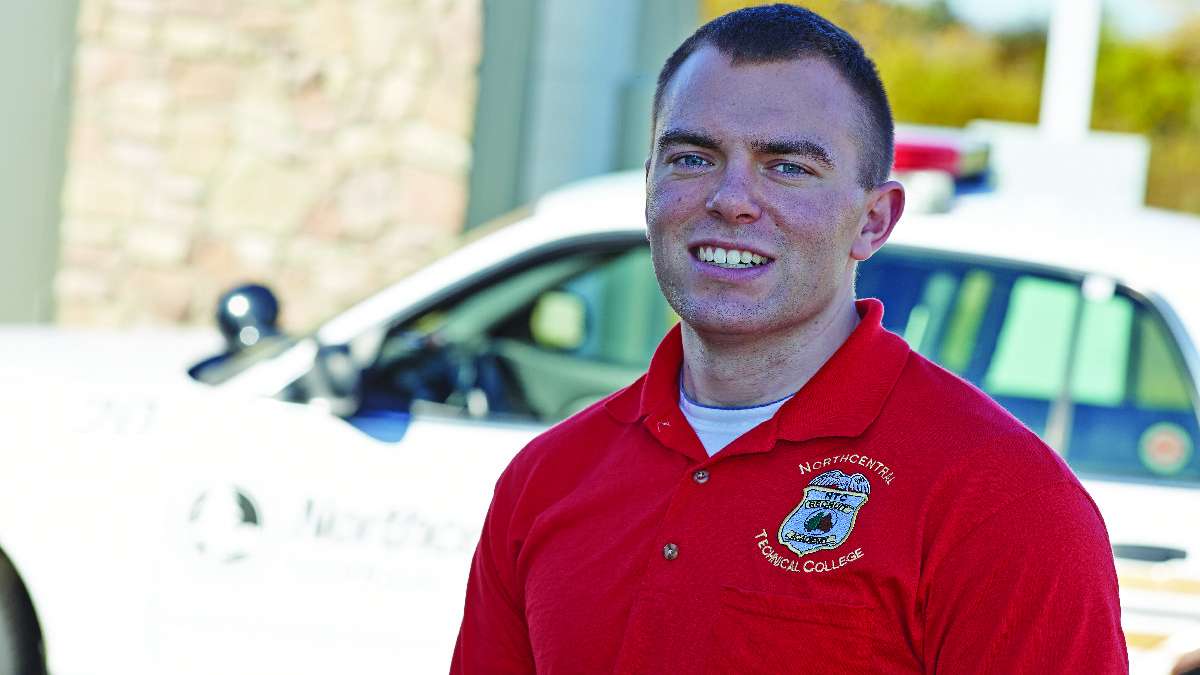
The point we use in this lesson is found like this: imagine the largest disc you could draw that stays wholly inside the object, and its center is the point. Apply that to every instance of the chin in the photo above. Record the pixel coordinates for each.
(733, 321)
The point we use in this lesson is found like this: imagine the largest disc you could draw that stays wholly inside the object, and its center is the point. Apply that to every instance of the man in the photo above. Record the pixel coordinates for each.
(789, 488)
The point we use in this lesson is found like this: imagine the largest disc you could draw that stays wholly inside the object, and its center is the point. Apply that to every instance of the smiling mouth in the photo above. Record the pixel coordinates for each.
(730, 259)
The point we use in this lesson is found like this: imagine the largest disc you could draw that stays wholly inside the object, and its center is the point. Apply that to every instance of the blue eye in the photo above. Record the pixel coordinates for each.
(790, 169)
(690, 161)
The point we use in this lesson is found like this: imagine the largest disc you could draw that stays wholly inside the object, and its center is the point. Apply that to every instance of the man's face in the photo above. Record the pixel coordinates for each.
(761, 159)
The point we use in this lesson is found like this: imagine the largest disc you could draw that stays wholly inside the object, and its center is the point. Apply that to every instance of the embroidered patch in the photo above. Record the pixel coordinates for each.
(824, 518)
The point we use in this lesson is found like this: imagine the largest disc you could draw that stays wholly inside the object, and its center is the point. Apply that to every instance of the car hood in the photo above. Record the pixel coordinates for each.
(149, 356)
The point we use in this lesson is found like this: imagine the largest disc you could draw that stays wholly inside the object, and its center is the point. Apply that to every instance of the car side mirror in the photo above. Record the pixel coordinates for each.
(247, 315)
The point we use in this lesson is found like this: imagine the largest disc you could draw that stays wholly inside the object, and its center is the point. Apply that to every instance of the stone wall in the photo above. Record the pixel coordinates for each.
(319, 146)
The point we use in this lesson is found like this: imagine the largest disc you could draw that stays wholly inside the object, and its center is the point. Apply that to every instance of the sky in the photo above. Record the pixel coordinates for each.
(1132, 18)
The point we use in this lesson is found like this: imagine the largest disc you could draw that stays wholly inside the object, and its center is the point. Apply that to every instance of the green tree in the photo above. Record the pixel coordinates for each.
(1153, 88)
(936, 69)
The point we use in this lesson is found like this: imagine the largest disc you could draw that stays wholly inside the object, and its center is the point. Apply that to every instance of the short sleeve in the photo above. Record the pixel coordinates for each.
(494, 638)
(1029, 589)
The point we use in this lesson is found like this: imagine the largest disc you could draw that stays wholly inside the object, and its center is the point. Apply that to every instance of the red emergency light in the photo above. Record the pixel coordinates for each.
(950, 150)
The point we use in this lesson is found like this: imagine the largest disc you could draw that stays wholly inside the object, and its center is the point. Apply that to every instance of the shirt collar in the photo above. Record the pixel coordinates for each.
(841, 399)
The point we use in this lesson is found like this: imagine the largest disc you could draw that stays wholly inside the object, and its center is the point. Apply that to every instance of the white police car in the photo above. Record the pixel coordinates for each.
(310, 504)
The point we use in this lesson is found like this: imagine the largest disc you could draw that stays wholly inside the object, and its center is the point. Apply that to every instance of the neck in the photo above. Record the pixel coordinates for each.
(735, 371)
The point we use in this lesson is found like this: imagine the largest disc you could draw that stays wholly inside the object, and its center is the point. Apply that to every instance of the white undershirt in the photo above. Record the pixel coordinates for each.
(718, 427)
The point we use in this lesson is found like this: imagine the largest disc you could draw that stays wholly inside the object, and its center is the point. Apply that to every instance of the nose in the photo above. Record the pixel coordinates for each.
(733, 200)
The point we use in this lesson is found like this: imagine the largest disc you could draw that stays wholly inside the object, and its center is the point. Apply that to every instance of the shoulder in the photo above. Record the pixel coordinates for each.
(925, 385)
(980, 465)
(969, 455)
(957, 425)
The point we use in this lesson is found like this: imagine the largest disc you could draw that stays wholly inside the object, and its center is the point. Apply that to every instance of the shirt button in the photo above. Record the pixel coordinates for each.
(670, 551)
(700, 476)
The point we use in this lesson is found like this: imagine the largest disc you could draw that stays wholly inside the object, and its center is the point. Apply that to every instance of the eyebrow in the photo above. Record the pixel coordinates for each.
(802, 146)
(686, 137)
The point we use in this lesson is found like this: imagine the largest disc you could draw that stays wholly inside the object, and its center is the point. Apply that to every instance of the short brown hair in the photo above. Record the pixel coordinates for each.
(774, 33)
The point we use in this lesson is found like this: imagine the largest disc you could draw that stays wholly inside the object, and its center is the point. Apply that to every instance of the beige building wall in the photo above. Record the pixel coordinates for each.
(319, 146)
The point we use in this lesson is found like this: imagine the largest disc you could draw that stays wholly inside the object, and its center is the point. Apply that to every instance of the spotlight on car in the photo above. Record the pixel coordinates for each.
(247, 315)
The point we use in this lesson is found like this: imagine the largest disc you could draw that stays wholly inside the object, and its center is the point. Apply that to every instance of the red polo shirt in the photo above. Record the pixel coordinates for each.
(890, 518)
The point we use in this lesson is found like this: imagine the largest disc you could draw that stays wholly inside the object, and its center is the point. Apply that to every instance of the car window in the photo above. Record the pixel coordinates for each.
(587, 336)
(622, 315)
(1100, 378)
(1034, 341)
(1102, 356)
(938, 305)
(957, 346)
(1133, 413)
(537, 343)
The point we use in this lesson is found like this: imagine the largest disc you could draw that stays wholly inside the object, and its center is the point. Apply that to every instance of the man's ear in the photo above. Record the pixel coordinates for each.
(647, 184)
(884, 206)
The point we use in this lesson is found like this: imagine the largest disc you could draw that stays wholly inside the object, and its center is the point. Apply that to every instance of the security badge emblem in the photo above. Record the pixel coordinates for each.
(825, 517)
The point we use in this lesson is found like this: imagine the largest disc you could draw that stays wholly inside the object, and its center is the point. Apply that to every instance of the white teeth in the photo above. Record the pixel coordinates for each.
(732, 258)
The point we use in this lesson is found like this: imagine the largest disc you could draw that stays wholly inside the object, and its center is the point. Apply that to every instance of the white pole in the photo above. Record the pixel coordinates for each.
(1071, 47)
